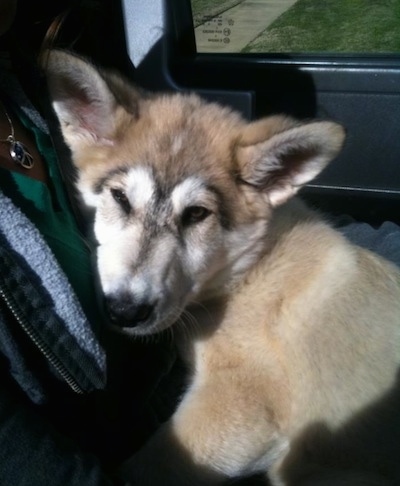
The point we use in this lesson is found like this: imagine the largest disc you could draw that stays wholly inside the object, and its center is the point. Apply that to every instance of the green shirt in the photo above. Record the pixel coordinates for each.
(49, 209)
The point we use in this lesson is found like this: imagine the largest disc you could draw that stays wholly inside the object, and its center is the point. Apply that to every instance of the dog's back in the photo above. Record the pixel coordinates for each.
(310, 345)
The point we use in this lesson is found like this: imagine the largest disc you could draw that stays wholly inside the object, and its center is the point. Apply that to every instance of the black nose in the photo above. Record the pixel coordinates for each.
(125, 312)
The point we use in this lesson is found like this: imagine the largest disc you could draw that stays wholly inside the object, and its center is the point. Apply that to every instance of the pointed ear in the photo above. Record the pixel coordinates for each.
(84, 100)
(278, 155)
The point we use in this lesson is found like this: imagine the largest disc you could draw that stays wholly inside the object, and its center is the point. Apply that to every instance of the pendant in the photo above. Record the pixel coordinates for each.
(20, 154)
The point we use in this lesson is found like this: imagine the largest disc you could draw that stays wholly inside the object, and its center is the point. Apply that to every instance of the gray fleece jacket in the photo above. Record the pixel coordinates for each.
(36, 296)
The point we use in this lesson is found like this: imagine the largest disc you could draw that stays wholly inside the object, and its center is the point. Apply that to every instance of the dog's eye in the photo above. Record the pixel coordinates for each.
(194, 214)
(121, 198)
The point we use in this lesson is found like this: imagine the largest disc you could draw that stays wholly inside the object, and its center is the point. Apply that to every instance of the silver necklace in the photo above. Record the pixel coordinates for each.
(17, 150)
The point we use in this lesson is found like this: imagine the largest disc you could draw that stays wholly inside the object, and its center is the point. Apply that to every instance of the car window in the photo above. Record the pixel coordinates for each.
(297, 26)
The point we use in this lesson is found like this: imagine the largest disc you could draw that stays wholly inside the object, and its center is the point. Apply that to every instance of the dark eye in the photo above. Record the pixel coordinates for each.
(194, 214)
(121, 198)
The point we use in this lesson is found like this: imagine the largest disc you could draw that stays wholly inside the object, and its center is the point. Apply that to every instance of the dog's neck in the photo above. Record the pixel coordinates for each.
(229, 279)
(204, 314)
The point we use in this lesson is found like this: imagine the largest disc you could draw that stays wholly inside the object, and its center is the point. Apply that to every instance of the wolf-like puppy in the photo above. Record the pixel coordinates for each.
(291, 334)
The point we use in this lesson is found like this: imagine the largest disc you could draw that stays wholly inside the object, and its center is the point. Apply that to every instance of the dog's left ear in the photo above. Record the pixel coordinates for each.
(277, 155)
(85, 100)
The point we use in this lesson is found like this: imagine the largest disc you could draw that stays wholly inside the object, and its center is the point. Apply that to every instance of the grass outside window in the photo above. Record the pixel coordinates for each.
(327, 26)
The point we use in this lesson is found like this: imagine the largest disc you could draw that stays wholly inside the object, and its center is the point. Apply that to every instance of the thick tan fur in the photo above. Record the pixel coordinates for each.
(294, 353)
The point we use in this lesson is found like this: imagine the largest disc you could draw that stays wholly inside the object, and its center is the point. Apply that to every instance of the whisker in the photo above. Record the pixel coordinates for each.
(189, 324)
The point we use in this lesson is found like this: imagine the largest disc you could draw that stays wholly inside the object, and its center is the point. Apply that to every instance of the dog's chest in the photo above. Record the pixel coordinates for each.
(234, 339)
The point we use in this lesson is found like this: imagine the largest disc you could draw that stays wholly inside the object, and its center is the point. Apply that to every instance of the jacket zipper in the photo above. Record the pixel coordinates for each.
(9, 301)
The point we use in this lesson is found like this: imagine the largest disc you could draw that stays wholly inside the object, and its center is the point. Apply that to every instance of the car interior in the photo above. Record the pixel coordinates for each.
(358, 89)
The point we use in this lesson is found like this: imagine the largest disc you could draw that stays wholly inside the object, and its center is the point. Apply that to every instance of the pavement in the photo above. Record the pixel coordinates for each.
(233, 29)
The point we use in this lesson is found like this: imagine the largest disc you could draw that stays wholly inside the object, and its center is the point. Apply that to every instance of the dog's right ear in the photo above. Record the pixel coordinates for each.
(89, 105)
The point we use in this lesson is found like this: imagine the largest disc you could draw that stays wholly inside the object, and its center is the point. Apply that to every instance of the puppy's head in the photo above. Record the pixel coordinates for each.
(182, 189)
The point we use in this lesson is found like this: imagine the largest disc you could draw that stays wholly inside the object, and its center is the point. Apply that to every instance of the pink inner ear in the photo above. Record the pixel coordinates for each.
(89, 117)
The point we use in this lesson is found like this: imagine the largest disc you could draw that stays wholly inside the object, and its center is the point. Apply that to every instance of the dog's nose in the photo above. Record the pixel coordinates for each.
(125, 312)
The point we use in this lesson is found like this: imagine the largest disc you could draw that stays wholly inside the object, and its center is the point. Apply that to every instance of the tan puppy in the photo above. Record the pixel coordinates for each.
(292, 334)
